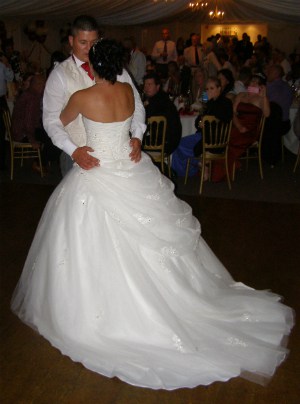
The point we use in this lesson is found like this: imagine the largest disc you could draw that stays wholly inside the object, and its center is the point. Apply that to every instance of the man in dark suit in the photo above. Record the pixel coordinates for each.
(158, 103)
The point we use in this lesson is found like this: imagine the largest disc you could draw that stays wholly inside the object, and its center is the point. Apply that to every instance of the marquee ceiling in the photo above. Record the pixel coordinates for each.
(134, 12)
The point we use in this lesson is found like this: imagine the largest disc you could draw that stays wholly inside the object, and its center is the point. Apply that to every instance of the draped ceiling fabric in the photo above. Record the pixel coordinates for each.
(136, 12)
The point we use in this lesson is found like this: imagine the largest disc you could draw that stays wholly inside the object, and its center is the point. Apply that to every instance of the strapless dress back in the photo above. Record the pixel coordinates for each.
(109, 140)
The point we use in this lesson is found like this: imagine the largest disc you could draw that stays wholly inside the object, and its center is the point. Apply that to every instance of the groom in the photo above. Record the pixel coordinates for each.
(70, 76)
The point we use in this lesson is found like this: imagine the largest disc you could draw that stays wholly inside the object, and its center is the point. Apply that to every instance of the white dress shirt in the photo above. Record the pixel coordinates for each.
(159, 48)
(56, 97)
(189, 56)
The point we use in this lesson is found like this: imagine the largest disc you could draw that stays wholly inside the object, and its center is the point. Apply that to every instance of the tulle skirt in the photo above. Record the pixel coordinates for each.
(119, 278)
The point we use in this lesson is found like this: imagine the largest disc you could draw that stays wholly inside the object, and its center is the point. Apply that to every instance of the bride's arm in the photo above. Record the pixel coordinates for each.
(138, 126)
(80, 155)
(71, 110)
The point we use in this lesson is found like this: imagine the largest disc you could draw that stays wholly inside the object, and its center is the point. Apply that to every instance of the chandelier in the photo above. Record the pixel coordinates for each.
(195, 6)
(216, 13)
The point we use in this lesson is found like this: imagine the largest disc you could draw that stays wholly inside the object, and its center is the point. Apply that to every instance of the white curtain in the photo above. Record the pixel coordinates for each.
(120, 12)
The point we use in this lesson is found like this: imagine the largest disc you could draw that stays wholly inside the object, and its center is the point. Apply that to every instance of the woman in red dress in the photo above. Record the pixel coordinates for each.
(248, 107)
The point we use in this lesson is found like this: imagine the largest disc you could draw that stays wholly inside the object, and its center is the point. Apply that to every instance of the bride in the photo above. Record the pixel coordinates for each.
(119, 278)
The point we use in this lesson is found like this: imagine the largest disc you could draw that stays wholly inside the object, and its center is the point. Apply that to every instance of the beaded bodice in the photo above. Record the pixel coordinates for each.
(110, 141)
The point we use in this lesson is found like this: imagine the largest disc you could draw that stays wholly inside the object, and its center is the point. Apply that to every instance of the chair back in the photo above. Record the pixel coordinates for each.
(155, 137)
(7, 123)
(215, 139)
(261, 128)
(19, 150)
(154, 141)
(215, 133)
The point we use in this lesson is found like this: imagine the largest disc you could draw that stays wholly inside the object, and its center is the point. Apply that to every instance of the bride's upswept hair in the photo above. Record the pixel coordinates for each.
(107, 58)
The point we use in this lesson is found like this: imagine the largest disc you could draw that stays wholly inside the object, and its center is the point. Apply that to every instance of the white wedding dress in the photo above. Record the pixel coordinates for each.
(119, 279)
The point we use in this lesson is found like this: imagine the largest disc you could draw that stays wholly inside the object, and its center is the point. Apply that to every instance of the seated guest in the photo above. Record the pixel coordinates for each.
(280, 92)
(227, 82)
(243, 80)
(217, 105)
(172, 84)
(190, 146)
(248, 108)
(27, 121)
(253, 63)
(226, 64)
(279, 58)
(210, 61)
(278, 124)
(293, 77)
(158, 103)
(150, 65)
(25, 83)
(198, 84)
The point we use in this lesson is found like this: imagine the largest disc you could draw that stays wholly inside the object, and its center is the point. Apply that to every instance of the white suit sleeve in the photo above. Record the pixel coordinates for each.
(138, 126)
(53, 103)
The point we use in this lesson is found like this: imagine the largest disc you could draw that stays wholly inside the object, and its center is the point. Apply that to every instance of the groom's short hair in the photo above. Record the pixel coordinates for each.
(84, 23)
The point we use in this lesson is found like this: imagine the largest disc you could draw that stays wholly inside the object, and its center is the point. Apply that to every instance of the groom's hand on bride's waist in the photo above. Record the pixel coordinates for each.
(84, 159)
(135, 154)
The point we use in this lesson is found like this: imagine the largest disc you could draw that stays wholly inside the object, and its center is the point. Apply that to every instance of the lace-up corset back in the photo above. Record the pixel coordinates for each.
(110, 141)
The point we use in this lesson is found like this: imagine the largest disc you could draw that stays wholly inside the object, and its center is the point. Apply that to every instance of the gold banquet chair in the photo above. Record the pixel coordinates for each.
(154, 141)
(18, 150)
(256, 148)
(215, 139)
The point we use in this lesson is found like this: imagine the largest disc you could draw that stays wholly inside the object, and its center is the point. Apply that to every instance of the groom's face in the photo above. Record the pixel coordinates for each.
(82, 42)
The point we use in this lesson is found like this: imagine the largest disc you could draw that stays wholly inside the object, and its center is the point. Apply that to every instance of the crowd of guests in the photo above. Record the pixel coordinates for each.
(248, 79)
(225, 76)
(21, 92)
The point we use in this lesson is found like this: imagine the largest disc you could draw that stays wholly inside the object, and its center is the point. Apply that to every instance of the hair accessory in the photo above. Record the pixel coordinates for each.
(95, 43)
(94, 46)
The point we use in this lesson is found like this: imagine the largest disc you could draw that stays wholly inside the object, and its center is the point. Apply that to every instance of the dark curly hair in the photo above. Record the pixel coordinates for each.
(229, 77)
(107, 58)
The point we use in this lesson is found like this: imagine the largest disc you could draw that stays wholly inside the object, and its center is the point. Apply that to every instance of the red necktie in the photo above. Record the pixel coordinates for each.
(87, 68)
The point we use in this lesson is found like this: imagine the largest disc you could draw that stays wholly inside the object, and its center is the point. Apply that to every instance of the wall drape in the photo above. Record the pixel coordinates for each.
(130, 12)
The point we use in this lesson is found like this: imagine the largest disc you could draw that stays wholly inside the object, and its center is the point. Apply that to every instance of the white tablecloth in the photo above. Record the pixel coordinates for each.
(188, 124)
(290, 140)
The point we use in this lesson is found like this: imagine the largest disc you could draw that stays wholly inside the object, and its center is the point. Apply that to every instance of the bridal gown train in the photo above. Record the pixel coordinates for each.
(119, 279)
